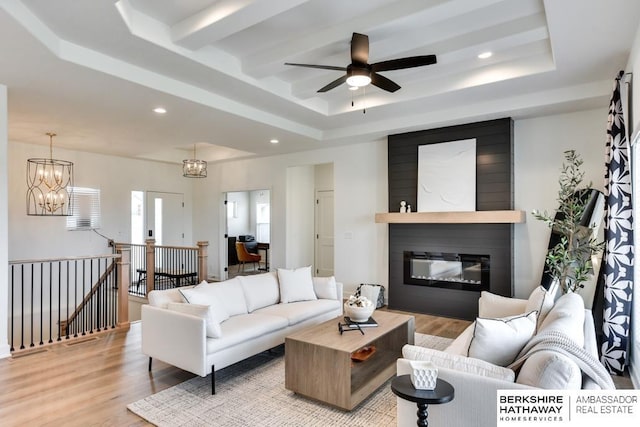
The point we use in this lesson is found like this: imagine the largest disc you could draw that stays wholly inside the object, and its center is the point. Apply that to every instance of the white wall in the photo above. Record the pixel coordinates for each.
(32, 237)
(300, 216)
(538, 156)
(4, 227)
(323, 179)
(633, 66)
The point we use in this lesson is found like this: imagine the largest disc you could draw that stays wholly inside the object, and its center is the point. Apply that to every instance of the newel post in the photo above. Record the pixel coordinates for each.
(151, 264)
(203, 255)
(123, 273)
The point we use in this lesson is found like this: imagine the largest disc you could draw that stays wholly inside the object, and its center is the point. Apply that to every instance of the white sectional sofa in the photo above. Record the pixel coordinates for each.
(210, 326)
(478, 364)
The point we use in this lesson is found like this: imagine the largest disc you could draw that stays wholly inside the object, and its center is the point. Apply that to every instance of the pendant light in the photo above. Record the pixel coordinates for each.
(49, 185)
(194, 168)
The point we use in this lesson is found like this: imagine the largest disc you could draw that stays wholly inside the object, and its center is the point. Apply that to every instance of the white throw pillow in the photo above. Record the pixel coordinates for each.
(296, 285)
(230, 294)
(325, 287)
(204, 294)
(541, 301)
(260, 290)
(203, 311)
(550, 370)
(457, 362)
(567, 317)
(499, 341)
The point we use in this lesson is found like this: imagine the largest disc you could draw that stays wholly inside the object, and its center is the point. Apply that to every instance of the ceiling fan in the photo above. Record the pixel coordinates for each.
(361, 73)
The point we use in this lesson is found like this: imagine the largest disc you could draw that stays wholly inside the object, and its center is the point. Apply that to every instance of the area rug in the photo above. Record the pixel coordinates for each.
(252, 392)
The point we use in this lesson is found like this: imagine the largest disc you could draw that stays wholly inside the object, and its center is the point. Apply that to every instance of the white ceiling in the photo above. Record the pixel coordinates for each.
(93, 70)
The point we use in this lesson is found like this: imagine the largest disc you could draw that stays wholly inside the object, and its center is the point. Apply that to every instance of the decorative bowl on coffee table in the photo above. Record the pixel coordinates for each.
(358, 314)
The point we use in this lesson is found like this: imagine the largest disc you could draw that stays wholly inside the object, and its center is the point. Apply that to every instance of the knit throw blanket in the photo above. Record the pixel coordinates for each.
(561, 343)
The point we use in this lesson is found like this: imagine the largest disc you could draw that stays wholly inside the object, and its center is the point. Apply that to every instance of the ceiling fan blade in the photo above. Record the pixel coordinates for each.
(322, 67)
(335, 83)
(384, 83)
(400, 63)
(359, 48)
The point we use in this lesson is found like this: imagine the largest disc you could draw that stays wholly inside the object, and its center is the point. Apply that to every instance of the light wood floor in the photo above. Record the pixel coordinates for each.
(90, 383)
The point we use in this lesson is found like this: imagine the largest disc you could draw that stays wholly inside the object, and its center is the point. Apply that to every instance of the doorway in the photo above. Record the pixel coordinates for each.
(159, 216)
(248, 221)
(164, 218)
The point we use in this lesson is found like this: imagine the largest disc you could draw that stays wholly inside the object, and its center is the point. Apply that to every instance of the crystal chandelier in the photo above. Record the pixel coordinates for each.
(193, 168)
(49, 185)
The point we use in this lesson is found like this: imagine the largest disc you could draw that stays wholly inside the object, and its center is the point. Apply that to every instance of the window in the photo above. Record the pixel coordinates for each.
(232, 209)
(262, 222)
(85, 204)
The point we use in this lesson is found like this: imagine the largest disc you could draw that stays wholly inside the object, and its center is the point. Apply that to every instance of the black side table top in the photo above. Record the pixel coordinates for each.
(402, 387)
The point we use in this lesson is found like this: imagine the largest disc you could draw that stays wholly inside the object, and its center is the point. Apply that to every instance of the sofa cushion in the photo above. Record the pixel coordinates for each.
(296, 312)
(161, 298)
(228, 294)
(296, 285)
(202, 311)
(499, 341)
(461, 344)
(204, 294)
(567, 316)
(493, 305)
(550, 370)
(260, 290)
(325, 287)
(457, 362)
(241, 328)
(540, 300)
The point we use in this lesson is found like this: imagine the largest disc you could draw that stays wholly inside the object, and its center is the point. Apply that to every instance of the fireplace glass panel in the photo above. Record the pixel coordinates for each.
(447, 270)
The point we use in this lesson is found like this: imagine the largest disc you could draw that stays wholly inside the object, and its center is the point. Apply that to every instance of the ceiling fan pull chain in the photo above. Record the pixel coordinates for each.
(364, 100)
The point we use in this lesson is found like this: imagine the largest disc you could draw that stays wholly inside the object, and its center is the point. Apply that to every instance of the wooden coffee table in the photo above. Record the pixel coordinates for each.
(318, 359)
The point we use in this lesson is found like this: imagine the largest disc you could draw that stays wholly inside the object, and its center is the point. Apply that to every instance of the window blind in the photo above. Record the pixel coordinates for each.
(85, 209)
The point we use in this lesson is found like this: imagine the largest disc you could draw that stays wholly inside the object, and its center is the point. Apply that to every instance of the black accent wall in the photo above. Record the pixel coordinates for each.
(494, 191)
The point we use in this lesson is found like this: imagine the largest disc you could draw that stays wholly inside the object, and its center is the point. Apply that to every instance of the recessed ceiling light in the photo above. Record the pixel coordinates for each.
(159, 110)
(274, 141)
(485, 55)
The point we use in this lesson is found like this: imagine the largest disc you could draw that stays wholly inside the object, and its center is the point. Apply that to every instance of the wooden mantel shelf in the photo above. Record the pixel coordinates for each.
(477, 217)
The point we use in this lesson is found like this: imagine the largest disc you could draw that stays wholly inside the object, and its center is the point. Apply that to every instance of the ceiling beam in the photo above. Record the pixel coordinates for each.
(225, 18)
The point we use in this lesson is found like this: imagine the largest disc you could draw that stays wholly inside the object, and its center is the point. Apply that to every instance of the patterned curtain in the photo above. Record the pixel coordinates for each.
(618, 261)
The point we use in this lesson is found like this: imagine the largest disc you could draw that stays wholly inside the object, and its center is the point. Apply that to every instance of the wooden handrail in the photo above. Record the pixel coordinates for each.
(193, 248)
(70, 258)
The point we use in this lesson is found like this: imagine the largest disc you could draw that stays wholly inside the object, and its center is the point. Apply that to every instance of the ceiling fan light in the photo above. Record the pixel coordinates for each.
(358, 80)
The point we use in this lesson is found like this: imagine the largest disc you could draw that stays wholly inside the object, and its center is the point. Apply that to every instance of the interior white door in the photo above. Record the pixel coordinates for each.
(165, 218)
(324, 233)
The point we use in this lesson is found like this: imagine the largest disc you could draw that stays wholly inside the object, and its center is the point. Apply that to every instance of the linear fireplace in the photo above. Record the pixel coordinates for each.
(447, 270)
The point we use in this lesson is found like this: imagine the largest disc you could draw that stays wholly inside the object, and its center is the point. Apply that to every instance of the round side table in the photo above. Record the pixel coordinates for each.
(403, 388)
